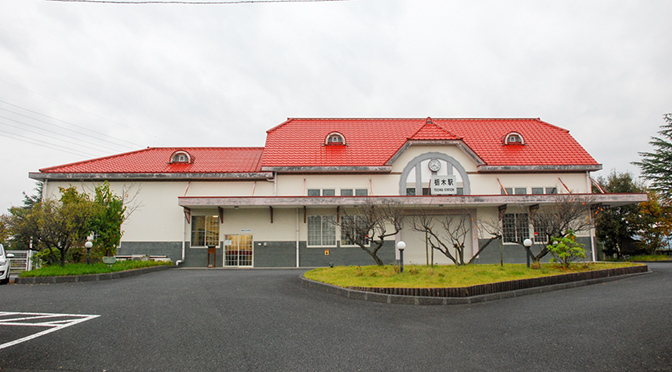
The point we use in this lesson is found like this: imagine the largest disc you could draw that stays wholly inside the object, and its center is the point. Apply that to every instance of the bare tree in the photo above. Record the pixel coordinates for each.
(490, 229)
(368, 225)
(447, 233)
(568, 213)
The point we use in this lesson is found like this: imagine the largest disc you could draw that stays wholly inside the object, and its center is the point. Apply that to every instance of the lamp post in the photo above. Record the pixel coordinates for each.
(401, 245)
(527, 243)
(88, 246)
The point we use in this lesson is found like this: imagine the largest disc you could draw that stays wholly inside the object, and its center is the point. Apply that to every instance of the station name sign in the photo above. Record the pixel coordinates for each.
(444, 185)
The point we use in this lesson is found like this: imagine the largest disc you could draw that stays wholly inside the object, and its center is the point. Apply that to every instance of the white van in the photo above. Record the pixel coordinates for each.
(4, 265)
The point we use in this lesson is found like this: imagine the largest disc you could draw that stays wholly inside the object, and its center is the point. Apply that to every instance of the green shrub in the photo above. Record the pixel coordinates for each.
(565, 249)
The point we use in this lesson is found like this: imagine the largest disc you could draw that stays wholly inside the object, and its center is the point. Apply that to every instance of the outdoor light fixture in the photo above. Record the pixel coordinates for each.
(527, 243)
(88, 245)
(401, 245)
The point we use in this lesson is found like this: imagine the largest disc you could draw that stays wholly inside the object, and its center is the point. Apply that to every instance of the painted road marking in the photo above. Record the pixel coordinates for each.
(53, 323)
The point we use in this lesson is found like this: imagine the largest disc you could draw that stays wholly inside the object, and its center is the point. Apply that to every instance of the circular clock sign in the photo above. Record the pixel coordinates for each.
(434, 165)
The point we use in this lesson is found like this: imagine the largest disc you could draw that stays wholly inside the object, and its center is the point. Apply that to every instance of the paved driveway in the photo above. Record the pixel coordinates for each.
(265, 320)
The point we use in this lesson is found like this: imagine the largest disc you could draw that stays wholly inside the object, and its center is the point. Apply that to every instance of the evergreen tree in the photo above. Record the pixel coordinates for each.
(657, 165)
(618, 226)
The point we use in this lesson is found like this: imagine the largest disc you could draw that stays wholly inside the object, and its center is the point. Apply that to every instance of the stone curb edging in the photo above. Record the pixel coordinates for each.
(91, 277)
(428, 300)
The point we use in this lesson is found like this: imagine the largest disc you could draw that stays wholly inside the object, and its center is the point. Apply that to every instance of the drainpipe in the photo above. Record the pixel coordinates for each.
(184, 230)
(275, 184)
(184, 238)
(297, 237)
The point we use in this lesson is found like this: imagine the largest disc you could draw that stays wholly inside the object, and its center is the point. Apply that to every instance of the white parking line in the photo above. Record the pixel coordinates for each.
(40, 320)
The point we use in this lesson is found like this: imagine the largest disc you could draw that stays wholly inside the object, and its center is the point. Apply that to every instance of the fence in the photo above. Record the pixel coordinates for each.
(21, 262)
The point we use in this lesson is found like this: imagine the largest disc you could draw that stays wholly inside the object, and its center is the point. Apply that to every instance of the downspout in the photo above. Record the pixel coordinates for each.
(184, 230)
(275, 184)
(184, 239)
(297, 236)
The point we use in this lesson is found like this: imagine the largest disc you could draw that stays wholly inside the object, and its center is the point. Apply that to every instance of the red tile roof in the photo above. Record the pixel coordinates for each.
(368, 143)
(373, 142)
(157, 160)
(431, 131)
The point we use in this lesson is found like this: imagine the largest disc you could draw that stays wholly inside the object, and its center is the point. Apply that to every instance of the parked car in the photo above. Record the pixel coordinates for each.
(5, 264)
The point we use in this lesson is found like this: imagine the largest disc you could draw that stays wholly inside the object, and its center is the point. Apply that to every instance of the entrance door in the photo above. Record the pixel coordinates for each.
(238, 250)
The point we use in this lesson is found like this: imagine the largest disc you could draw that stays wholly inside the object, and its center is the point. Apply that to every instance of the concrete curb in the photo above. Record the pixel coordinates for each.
(90, 278)
(425, 300)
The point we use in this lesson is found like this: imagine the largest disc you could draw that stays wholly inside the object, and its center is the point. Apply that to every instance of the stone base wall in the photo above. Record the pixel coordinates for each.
(515, 253)
(266, 254)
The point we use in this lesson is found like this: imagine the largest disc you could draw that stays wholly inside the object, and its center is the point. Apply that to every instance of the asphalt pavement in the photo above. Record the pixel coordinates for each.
(265, 320)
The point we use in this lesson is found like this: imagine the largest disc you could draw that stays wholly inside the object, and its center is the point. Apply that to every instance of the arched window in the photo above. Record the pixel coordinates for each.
(417, 175)
(514, 138)
(180, 157)
(335, 138)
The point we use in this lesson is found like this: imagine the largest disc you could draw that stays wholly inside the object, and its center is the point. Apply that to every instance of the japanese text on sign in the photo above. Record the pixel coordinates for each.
(443, 185)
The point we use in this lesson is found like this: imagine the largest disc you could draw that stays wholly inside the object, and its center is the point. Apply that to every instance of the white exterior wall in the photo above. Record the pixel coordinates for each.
(157, 217)
(454, 151)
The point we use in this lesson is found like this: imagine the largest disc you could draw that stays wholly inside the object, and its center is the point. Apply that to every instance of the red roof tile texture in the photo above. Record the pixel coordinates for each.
(368, 143)
(372, 142)
(431, 131)
(157, 160)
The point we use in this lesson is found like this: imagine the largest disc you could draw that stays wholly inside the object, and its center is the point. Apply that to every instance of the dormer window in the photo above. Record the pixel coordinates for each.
(514, 138)
(335, 138)
(180, 157)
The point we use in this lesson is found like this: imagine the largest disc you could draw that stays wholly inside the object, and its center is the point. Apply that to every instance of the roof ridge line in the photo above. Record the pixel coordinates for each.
(280, 125)
(552, 125)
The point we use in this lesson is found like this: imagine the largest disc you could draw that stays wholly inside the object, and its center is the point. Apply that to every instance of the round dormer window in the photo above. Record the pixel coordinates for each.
(514, 138)
(180, 157)
(335, 138)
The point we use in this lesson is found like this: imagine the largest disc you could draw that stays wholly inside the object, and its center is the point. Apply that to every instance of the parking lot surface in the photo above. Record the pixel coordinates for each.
(265, 320)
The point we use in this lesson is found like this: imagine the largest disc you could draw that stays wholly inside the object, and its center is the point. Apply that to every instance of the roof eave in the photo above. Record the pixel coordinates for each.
(538, 168)
(150, 176)
(462, 201)
(329, 169)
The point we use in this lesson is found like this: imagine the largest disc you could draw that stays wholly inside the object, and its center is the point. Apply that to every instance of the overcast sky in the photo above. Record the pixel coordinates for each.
(84, 80)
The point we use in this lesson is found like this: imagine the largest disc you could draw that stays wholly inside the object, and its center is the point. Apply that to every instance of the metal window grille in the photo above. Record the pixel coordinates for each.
(346, 192)
(321, 231)
(352, 231)
(328, 192)
(239, 250)
(361, 192)
(516, 227)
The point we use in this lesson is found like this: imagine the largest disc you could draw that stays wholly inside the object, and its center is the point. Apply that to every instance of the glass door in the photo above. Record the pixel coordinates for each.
(238, 250)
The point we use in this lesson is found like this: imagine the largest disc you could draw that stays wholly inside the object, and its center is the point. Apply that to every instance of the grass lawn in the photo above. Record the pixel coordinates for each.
(84, 269)
(443, 276)
(657, 257)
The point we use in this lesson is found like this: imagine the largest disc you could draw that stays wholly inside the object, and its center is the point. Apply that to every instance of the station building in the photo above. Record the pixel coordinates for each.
(274, 206)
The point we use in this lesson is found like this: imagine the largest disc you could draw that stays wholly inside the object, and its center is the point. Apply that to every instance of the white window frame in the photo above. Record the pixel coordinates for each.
(345, 244)
(518, 228)
(325, 220)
